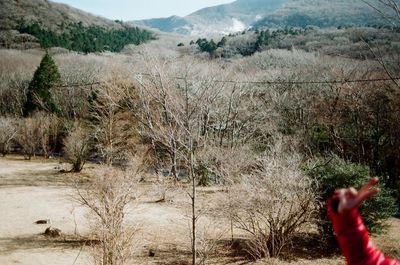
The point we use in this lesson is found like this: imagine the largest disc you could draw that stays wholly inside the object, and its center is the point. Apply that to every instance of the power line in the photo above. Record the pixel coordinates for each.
(263, 82)
(282, 82)
(82, 85)
(309, 82)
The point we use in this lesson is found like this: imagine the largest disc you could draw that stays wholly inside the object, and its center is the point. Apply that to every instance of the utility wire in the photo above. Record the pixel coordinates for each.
(278, 82)
(309, 82)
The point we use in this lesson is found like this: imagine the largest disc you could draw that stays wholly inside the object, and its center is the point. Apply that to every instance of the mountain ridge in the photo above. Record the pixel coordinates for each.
(244, 14)
(15, 12)
(220, 19)
(45, 24)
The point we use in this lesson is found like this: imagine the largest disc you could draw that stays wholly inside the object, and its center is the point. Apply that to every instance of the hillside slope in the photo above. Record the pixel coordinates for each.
(28, 23)
(322, 13)
(243, 14)
(221, 19)
(49, 14)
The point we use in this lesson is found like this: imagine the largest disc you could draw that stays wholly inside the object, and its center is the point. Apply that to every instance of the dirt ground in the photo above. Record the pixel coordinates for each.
(35, 190)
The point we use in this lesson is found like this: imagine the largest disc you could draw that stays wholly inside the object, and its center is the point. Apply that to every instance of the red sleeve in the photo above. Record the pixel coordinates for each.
(353, 238)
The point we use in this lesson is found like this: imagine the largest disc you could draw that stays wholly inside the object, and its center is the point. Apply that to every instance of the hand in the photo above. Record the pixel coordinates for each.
(351, 198)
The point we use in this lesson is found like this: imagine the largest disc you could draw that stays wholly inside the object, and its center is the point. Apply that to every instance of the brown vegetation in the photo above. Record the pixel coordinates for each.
(107, 197)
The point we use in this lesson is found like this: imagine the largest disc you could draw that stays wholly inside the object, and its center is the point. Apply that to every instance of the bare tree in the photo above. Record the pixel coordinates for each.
(272, 202)
(76, 147)
(8, 131)
(28, 136)
(48, 130)
(112, 125)
(16, 70)
(38, 133)
(227, 164)
(388, 9)
(79, 86)
(174, 115)
(107, 197)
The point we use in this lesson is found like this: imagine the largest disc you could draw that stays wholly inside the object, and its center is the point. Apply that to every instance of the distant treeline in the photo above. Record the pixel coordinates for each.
(352, 42)
(77, 37)
(262, 38)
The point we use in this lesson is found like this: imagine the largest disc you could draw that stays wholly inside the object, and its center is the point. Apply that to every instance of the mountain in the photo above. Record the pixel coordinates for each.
(243, 14)
(322, 13)
(49, 14)
(169, 24)
(42, 23)
(221, 19)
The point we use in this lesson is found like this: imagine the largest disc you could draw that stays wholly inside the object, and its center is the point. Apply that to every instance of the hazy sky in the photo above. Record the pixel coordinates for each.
(140, 9)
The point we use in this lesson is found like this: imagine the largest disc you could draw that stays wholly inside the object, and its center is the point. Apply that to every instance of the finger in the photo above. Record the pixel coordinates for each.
(341, 194)
(362, 196)
(343, 204)
(368, 185)
(347, 199)
(350, 194)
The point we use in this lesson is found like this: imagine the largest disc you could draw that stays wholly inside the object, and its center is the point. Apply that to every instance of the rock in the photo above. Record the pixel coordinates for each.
(42, 222)
(160, 200)
(152, 252)
(53, 232)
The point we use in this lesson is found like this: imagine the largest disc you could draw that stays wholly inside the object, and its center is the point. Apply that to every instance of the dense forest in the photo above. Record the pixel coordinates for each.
(77, 37)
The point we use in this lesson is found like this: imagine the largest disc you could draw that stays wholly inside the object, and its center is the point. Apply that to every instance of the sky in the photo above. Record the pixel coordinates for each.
(141, 9)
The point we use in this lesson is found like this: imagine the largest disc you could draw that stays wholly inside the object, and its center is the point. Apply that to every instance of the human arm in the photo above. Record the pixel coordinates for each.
(349, 228)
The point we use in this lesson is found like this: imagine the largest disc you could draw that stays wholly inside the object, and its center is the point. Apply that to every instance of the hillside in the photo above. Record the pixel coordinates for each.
(42, 23)
(221, 19)
(321, 13)
(243, 14)
(48, 14)
(170, 24)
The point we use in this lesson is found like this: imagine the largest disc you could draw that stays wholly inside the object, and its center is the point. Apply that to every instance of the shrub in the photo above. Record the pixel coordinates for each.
(107, 197)
(76, 146)
(48, 132)
(334, 173)
(272, 203)
(28, 136)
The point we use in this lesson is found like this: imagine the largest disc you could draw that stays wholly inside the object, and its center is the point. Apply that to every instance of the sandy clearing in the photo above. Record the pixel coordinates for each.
(22, 206)
(35, 190)
(44, 256)
(29, 191)
(15, 171)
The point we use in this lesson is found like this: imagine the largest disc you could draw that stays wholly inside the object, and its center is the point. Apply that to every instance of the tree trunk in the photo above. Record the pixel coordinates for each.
(193, 197)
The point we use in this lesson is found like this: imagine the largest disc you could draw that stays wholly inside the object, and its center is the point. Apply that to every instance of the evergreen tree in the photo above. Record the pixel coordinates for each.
(207, 46)
(45, 78)
(222, 42)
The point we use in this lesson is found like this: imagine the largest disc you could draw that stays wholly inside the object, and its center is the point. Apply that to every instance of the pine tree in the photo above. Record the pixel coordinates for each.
(45, 78)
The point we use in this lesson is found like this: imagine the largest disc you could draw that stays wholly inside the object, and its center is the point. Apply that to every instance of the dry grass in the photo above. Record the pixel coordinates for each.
(390, 241)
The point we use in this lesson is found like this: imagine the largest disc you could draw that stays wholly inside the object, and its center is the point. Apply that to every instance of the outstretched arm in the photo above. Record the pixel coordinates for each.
(349, 228)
